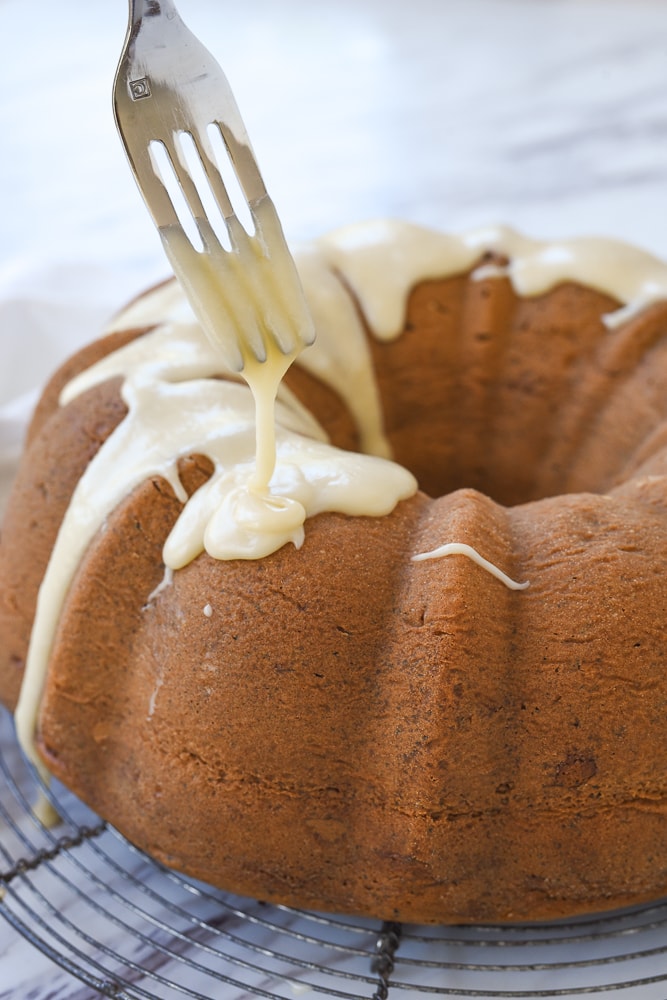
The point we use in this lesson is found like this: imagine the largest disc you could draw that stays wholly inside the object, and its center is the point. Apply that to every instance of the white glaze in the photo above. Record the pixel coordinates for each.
(165, 582)
(247, 297)
(249, 302)
(365, 253)
(462, 549)
(176, 408)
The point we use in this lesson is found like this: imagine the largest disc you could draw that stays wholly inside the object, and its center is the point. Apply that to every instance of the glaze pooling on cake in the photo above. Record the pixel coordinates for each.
(364, 253)
(374, 732)
(170, 418)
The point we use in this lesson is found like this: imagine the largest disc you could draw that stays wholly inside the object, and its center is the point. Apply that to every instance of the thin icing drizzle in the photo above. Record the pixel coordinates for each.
(461, 548)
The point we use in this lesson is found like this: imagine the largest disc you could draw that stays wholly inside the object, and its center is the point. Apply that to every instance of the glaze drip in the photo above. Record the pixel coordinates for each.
(460, 548)
(179, 406)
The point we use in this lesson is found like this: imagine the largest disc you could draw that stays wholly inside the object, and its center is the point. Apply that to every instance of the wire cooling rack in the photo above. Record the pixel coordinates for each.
(130, 929)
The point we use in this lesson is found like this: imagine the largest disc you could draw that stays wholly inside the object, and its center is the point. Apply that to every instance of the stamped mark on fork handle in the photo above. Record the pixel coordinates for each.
(140, 88)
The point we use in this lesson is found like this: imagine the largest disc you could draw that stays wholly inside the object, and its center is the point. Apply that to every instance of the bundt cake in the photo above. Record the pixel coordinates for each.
(433, 704)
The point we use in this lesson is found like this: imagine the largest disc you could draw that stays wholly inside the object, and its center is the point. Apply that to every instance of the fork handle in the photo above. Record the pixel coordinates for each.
(139, 9)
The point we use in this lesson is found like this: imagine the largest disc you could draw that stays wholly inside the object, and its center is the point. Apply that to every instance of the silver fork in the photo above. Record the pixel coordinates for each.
(172, 105)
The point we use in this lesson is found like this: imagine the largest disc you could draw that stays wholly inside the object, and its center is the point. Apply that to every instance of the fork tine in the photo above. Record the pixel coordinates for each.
(244, 163)
(181, 168)
(182, 173)
(200, 148)
(254, 277)
(296, 326)
(214, 301)
(277, 323)
(161, 205)
(260, 274)
(245, 170)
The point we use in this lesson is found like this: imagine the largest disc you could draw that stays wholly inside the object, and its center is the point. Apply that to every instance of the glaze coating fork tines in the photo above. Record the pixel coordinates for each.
(171, 102)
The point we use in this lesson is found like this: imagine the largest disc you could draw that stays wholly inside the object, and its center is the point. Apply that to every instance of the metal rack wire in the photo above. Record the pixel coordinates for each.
(130, 929)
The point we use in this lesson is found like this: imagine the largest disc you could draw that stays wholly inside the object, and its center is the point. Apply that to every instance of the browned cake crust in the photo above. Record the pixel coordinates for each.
(356, 732)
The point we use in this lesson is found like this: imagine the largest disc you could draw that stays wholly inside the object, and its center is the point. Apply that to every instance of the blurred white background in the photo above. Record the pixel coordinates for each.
(547, 114)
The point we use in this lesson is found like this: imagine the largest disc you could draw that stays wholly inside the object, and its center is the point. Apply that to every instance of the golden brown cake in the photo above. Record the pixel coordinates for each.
(340, 723)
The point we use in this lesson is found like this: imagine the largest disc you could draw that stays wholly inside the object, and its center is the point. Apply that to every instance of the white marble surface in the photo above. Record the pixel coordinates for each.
(550, 115)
